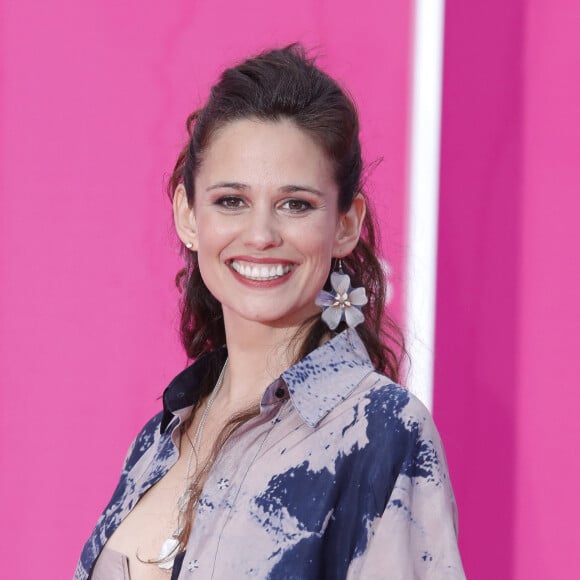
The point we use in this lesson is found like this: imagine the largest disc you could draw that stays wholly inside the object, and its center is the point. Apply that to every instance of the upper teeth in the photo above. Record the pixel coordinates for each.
(261, 272)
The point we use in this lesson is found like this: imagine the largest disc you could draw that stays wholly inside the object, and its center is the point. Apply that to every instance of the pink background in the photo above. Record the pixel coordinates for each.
(93, 97)
(508, 310)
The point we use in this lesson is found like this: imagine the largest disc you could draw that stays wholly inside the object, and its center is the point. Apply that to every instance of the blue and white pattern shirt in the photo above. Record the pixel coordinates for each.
(341, 476)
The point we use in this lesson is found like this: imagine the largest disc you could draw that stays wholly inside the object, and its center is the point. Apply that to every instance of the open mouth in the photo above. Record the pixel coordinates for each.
(260, 271)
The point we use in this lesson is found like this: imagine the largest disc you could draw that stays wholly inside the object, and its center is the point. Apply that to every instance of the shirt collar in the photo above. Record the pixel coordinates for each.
(316, 384)
(327, 376)
(182, 391)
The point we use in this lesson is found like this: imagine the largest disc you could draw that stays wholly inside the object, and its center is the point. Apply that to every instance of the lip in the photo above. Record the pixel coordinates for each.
(259, 260)
(265, 282)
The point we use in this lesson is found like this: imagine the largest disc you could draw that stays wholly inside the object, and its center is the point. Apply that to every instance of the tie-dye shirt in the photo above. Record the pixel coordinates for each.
(341, 475)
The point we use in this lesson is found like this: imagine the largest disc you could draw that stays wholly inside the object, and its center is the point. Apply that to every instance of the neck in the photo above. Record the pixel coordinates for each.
(257, 354)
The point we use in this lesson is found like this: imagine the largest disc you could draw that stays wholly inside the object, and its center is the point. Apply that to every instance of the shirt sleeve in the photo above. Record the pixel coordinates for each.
(416, 535)
(118, 505)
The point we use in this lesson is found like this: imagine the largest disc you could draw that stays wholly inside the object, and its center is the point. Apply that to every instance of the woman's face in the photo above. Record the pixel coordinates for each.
(265, 221)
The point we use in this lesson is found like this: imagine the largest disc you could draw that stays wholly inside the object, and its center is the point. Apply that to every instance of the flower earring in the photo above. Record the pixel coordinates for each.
(344, 304)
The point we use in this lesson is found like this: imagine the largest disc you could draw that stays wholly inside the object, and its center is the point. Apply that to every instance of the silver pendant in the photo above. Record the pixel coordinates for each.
(168, 552)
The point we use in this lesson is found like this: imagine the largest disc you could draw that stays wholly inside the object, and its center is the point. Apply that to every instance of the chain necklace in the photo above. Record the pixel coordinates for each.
(168, 553)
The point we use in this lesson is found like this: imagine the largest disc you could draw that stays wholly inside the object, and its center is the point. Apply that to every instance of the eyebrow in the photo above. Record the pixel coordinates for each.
(228, 185)
(243, 187)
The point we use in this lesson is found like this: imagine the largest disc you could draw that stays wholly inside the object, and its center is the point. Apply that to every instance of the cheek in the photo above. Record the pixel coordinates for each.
(320, 239)
(212, 235)
(208, 248)
(319, 250)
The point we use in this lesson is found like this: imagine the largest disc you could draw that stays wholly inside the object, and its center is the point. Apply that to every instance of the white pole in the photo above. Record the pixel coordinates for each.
(421, 275)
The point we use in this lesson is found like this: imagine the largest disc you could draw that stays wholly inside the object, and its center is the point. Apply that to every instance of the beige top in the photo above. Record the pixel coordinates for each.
(341, 473)
(111, 565)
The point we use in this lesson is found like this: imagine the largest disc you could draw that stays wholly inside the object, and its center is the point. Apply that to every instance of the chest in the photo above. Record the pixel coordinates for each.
(277, 488)
(151, 521)
(285, 505)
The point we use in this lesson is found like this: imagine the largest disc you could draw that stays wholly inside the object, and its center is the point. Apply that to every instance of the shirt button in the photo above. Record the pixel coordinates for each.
(280, 392)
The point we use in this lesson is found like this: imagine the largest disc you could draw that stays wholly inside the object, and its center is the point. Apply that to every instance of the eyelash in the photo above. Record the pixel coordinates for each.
(233, 202)
(304, 205)
(226, 200)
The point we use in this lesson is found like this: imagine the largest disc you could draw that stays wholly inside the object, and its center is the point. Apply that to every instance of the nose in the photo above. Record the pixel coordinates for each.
(262, 230)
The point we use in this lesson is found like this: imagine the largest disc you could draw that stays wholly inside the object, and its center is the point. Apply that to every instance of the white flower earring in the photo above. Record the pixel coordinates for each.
(344, 304)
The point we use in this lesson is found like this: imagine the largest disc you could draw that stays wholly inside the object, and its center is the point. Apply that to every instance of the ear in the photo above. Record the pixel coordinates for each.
(349, 227)
(184, 218)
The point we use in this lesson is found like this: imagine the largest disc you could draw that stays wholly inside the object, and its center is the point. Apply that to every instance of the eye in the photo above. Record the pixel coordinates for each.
(230, 202)
(296, 205)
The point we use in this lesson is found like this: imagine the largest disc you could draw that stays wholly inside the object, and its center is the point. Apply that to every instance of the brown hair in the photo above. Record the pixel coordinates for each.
(276, 85)
(286, 84)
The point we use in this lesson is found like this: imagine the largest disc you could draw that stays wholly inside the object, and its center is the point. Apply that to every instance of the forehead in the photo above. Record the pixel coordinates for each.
(258, 152)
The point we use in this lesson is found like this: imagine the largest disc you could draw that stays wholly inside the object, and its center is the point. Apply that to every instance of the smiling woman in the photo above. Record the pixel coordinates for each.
(283, 451)
(265, 223)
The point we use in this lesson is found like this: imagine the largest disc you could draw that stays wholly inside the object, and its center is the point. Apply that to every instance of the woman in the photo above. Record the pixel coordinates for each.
(283, 451)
